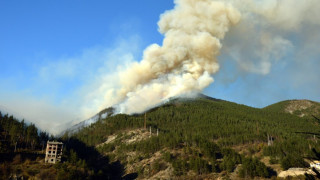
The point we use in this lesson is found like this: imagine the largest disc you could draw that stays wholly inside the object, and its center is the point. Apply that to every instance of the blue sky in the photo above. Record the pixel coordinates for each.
(53, 54)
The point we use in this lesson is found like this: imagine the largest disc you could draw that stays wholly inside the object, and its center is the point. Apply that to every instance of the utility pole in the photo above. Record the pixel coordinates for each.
(270, 140)
(150, 131)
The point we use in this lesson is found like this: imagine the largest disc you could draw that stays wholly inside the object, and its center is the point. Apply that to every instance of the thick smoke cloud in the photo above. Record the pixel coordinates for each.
(275, 51)
(270, 33)
(185, 61)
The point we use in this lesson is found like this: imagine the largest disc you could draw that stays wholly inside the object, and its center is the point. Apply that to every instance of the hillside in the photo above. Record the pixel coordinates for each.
(110, 111)
(16, 135)
(20, 143)
(299, 108)
(204, 137)
(77, 127)
(22, 153)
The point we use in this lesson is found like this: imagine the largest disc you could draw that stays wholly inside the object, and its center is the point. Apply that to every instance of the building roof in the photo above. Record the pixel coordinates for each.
(54, 142)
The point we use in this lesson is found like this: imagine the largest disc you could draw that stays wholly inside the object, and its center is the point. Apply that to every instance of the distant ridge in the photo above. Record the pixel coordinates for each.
(301, 108)
(101, 115)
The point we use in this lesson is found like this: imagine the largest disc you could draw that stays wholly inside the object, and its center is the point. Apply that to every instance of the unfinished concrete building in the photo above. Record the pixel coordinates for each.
(53, 152)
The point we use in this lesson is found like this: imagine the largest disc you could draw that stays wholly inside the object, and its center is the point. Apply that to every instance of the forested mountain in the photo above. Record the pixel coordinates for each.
(205, 137)
(186, 138)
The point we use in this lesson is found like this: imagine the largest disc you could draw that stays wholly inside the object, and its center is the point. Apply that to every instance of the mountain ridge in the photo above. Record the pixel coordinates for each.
(298, 107)
(189, 137)
(110, 110)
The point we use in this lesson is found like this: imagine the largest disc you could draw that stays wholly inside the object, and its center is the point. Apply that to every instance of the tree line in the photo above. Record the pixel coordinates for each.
(17, 135)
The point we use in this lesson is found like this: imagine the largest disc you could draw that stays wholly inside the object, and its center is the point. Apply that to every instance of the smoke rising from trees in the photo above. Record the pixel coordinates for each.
(184, 63)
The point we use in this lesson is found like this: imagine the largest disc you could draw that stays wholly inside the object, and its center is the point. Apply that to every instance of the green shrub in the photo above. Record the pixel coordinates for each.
(252, 167)
(290, 161)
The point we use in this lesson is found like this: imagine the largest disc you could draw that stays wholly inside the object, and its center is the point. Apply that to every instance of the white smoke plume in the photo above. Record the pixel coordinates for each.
(185, 61)
(194, 32)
